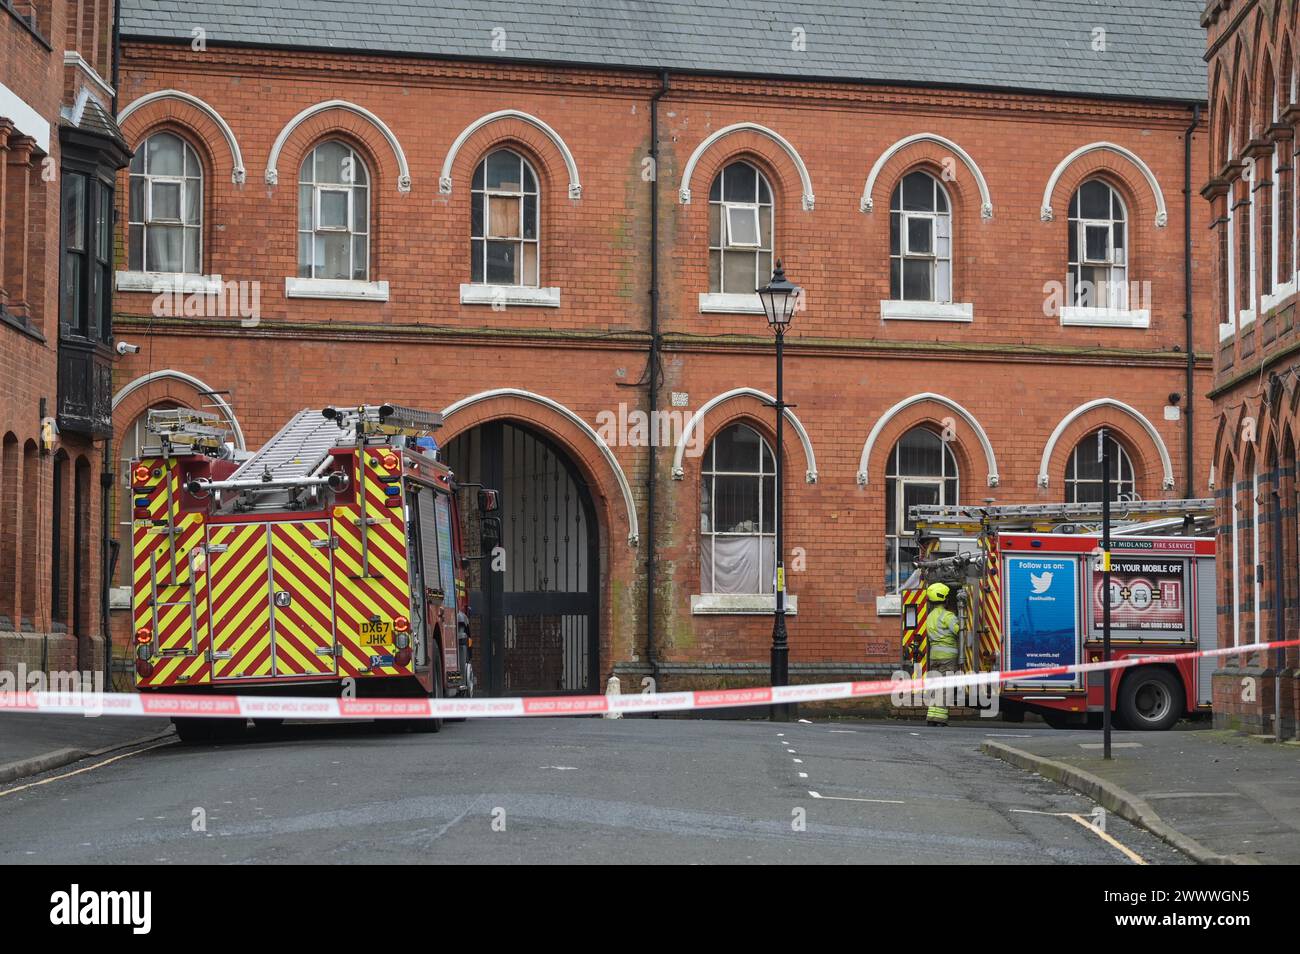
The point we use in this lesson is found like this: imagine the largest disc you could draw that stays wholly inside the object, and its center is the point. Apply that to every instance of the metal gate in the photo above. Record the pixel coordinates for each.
(535, 623)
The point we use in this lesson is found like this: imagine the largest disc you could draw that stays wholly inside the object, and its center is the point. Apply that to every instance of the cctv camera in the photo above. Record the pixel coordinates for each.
(124, 347)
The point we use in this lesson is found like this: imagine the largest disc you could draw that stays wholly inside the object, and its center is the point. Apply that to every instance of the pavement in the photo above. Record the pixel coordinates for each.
(1220, 797)
(31, 743)
(645, 791)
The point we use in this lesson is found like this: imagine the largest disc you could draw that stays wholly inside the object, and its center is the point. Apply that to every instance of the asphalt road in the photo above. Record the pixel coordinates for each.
(566, 790)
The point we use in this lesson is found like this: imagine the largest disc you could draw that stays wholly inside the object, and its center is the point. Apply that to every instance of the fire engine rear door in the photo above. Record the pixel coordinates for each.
(239, 561)
(302, 598)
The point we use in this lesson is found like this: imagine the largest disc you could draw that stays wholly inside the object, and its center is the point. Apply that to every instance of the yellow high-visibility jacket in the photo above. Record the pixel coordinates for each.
(941, 634)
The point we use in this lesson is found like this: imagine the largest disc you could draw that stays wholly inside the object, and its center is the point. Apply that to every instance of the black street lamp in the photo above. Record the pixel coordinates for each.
(779, 299)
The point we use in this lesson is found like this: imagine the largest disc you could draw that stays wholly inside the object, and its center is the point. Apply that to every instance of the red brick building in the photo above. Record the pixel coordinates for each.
(549, 226)
(1254, 112)
(59, 155)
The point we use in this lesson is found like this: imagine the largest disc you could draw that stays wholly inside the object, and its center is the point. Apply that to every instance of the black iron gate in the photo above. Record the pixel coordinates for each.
(535, 623)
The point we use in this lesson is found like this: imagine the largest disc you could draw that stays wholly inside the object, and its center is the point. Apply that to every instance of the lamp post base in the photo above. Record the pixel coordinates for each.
(780, 667)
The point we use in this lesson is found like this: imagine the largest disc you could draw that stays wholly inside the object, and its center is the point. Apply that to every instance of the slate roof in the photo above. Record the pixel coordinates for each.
(1152, 48)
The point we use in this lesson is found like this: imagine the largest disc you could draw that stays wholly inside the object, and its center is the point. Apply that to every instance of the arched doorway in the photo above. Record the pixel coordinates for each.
(535, 618)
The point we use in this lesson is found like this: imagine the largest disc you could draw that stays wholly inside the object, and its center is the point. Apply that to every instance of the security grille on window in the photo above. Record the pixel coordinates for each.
(333, 214)
(165, 214)
(740, 230)
(1083, 472)
(921, 471)
(920, 240)
(504, 245)
(1098, 255)
(738, 513)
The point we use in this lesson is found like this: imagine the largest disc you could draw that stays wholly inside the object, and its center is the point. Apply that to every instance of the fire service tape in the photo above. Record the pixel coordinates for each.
(306, 707)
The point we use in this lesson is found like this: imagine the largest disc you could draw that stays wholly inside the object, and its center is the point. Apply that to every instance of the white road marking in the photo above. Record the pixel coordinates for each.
(798, 761)
(1113, 745)
(846, 731)
(560, 768)
(843, 798)
(88, 768)
(1150, 795)
(803, 774)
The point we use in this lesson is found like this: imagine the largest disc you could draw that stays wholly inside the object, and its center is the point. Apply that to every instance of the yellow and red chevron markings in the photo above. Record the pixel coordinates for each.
(169, 596)
(385, 593)
(991, 602)
(912, 633)
(303, 628)
(241, 606)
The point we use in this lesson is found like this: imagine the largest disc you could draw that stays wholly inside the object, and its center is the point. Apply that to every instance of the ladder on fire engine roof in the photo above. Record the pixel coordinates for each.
(972, 517)
(182, 431)
(302, 445)
(296, 451)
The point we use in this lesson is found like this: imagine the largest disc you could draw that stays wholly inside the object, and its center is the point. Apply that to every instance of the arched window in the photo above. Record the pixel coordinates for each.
(504, 235)
(1083, 472)
(333, 214)
(920, 240)
(165, 212)
(738, 513)
(740, 230)
(921, 471)
(1098, 248)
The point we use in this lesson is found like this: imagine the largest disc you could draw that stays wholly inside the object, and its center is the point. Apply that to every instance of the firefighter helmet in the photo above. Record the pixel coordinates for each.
(937, 592)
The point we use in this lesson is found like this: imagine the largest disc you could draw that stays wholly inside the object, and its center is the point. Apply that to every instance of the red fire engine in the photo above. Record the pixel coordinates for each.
(331, 561)
(1029, 593)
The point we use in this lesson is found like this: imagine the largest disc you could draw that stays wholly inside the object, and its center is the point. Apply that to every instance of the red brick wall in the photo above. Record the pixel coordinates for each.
(1017, 371)
(35, 71)
(1251, 73)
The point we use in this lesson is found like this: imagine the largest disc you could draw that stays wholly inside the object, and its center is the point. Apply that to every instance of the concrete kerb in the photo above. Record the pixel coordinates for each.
(57, 758)
(1114, 799)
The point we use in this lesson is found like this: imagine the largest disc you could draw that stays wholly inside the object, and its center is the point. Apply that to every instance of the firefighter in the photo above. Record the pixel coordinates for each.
(942, 632)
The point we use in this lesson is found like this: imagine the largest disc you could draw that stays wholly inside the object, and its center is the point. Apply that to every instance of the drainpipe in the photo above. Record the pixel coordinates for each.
(107, 563)
(1279, 601)
(117, 51)
(1189, 418)
(651, 480)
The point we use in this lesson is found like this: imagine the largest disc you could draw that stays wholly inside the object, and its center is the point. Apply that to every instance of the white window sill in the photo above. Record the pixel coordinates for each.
(730, 304)
(1283, 292)
(157, 283)
(927, 311)
(1226, 330)
(506, 295)
(741, 604)
(1246, 317)
(889, 605)
(1106, 317)
(336, 288)
(119, 597)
